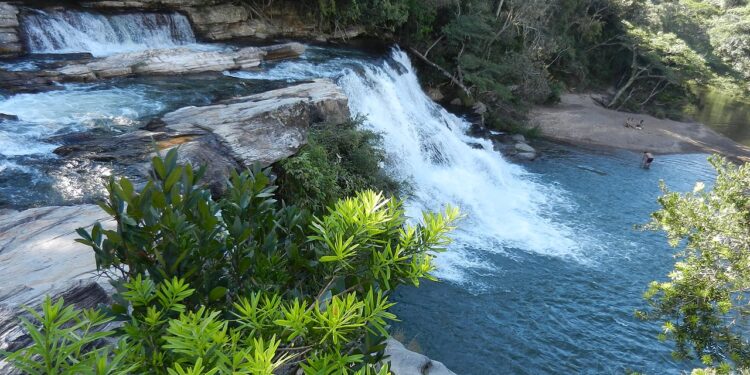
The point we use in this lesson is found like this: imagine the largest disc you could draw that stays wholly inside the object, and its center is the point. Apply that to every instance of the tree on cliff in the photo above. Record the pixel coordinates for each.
(704, 304)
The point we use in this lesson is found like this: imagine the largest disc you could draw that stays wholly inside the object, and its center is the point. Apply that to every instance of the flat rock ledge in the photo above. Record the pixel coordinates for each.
(39, 257)
(165, 61)
(237, 133)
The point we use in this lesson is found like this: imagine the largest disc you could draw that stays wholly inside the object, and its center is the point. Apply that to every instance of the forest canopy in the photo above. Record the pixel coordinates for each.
(647, 55)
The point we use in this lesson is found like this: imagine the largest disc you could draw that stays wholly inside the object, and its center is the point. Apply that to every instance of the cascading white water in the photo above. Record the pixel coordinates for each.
(429, 148)
(73, 31)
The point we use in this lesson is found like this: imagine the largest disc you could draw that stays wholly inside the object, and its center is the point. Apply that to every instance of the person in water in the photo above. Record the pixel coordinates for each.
(647, 160)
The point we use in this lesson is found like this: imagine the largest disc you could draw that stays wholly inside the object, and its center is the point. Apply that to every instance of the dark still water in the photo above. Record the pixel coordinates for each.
(522, 312)
(724, 113)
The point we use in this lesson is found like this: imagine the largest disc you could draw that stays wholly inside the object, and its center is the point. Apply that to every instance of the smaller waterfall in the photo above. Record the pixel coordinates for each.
(100, 35)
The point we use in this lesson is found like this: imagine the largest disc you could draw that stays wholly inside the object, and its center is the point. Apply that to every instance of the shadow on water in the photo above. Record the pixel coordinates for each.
(725, 113)
(535, 314)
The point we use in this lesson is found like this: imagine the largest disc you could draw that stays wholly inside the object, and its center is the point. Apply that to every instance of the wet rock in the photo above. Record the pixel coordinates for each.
(523, 147)
(518, 138)
(166, 61)
(456, 101)
(5, 117)
(526, 155)
(39, 257)
(283, 51)
(405, 362)
(266, 127)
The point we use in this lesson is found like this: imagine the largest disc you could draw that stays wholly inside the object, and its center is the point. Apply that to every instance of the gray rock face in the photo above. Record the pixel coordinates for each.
(266, 127)
(406, 362)
(10, 43)
(262, 128)
(166, 61)
(39, 257)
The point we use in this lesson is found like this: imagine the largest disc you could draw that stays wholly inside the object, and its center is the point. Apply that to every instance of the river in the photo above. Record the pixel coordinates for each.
(547, 268)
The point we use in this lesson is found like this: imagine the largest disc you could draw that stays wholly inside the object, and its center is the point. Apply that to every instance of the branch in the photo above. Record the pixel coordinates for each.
(655, 92)
(441, 70)
(499, 7)
(433, 45)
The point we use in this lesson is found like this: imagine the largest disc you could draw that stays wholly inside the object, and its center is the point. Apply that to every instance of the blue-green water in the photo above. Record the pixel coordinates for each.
(532, 314)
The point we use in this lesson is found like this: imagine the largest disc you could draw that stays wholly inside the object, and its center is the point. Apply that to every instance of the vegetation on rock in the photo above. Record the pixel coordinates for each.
(241, 284)
(338, 161)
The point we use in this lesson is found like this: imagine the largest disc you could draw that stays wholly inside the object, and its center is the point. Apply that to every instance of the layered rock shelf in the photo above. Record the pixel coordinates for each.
(10, 42)
(262, 128)
(167, 61)
(39, 257)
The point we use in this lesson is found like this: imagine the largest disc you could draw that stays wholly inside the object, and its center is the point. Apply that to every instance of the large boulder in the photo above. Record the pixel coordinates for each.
(166, 61)
(266, 127)
(262, 128)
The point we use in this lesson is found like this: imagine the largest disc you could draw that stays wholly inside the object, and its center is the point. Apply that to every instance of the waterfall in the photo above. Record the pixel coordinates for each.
(74, 31)
(506, 209)
(429, 147)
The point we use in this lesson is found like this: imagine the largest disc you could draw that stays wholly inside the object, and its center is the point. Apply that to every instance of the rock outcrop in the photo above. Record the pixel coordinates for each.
(406, 362)
(10, 43)
(167, 61)
(262, 128)
(266, 127)
(219, 20)
(39, 257)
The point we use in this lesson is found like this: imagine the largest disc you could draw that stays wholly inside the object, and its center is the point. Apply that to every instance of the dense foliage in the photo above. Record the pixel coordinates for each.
(507, 53)
(704, 303)
(241, 284)
(338, 161)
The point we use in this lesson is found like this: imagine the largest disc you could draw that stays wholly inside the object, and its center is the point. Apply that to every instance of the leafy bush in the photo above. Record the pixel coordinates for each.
(704, 302)
(241, 284)
(339, 161)
(162, 336)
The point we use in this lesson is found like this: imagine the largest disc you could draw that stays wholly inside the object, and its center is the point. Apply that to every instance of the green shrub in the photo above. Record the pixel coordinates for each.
(161, 336)
(339, 161)
(241, 284)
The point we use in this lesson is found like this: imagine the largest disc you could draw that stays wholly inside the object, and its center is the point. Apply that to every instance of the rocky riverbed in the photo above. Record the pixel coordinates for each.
(169, 61)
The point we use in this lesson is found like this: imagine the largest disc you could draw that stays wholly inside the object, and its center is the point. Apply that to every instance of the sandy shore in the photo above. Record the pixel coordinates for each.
(578, 119)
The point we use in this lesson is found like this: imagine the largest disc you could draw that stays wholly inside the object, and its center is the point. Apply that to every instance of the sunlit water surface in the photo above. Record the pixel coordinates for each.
(526, 313)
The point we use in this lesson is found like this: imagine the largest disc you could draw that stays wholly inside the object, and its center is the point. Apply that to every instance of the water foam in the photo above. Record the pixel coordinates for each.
(74, 31)
(505, 208)
(428, 146)
(77, 108)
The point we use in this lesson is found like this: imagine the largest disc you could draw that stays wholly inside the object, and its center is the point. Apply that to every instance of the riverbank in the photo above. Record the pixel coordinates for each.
(579, 120)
